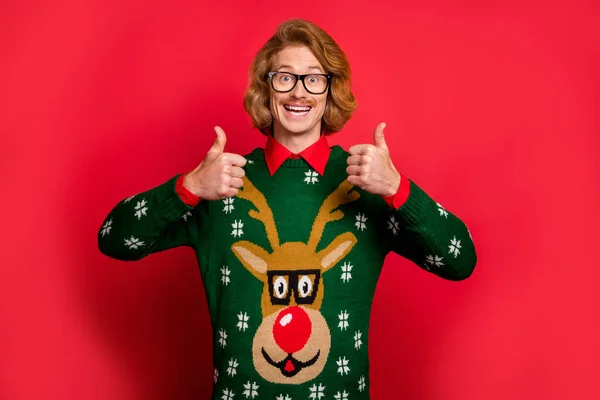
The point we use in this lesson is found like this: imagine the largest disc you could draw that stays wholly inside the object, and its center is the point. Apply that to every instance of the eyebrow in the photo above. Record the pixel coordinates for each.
(290, 67)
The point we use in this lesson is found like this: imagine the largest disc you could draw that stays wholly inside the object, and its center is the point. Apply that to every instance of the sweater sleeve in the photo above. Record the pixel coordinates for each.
(149, 222)
(435, 239)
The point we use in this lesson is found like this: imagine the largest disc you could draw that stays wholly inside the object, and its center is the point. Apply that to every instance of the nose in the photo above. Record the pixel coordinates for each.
(292, 329)
(299, 91)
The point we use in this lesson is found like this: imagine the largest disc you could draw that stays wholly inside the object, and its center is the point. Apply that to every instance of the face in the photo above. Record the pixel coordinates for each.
(297, 112)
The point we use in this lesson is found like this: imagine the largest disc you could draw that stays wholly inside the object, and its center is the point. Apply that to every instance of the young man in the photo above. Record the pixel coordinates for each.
(291, 239)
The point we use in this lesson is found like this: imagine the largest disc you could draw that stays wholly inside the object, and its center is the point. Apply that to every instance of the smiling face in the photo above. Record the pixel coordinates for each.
(297, 112)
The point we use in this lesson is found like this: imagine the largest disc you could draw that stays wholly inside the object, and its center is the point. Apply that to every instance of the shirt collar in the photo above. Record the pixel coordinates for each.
(316, 155)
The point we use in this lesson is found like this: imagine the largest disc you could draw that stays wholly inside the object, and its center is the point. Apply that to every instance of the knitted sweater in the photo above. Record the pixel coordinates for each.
(290, 267)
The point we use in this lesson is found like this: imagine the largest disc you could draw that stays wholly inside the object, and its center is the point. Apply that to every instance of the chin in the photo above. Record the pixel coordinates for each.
(297, 125)
(296, 128)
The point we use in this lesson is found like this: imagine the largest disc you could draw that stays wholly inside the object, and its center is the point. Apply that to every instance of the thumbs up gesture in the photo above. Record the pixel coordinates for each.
(219, 175)
(370, 166)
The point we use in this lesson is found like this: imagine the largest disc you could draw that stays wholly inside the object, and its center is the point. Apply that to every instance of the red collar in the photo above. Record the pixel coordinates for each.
(316, 155)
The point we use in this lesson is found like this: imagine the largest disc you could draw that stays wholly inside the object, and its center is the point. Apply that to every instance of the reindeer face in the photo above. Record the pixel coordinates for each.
(293, 341)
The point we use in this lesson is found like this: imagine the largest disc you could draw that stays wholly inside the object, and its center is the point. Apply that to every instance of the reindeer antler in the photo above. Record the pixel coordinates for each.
(341, 195)
(265, 215)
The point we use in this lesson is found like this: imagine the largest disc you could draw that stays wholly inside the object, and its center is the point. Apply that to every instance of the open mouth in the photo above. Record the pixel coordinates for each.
(289, 366)
(297, 111)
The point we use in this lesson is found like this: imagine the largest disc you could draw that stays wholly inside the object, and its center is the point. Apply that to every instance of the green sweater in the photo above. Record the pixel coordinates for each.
(290, 267)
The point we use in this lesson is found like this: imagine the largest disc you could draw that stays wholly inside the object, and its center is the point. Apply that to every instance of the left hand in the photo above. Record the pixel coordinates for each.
(370, 166)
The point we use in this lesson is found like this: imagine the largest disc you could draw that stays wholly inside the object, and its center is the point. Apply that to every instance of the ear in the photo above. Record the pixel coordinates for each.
(336, 250)
(254, 258)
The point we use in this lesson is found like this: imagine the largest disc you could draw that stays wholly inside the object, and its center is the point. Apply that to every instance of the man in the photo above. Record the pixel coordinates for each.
(290, 239)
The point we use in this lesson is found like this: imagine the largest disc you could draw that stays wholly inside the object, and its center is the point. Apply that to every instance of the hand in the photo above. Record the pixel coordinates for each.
(370, 166)
(219, 175)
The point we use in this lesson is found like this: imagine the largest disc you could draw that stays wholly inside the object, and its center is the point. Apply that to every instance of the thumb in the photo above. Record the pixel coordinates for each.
(378, 137)
(219, 144)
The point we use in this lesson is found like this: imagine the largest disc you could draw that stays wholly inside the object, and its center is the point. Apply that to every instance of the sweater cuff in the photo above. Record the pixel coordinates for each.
(417, 207)
(185, 195)
(167, 200)
(397, 200)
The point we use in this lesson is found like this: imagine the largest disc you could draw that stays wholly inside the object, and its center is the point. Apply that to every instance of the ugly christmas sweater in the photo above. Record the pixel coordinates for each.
(289, 267)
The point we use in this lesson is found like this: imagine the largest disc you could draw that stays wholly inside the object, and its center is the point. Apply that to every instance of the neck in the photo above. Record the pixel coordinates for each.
(296, 143)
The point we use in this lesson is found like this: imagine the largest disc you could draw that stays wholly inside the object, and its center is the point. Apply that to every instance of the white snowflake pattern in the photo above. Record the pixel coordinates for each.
(361, 383)
(393, 225)
(343, 367)
(216, 376)
(225, 275)
(357, 340)
(343, 324)
(434, 260)
(237, 228)
(250, 162)
(346, 275)
(140, 208)
(316, 392)
(222, 338)
(133, 243)
(127, 200)
(186, 216)
(341, 396)
(232, 367)
(361, 222)
(227, 394)
(281, 397)
(442, 211)
(242, 321)
(228, 205)
(251, 389)
(106, 227)
(311, 177)
(454, 247)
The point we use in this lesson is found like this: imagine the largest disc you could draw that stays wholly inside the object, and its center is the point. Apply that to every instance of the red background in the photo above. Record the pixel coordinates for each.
(492, 109)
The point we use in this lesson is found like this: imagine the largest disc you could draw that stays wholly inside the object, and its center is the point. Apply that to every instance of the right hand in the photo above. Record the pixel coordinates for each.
(219, 175)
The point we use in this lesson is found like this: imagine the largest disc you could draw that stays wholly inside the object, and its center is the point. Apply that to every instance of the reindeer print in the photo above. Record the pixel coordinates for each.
(292, 343)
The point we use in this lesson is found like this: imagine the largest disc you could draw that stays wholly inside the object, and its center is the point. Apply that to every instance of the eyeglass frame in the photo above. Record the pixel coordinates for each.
(298, 78)
(292, 280)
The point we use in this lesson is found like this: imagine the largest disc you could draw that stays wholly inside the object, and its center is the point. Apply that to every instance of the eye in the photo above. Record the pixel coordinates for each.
(305, 286)
(313, 79)
(285, 78)
(280, 287)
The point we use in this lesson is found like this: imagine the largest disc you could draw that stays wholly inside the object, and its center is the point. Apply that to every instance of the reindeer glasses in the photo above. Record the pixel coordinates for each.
(283, 283)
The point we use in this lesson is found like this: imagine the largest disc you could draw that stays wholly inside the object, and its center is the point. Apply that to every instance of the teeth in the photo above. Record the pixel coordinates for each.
(297, 108)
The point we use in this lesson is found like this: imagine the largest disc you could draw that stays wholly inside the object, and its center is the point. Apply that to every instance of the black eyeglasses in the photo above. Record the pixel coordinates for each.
(303, 283)
(286, 81)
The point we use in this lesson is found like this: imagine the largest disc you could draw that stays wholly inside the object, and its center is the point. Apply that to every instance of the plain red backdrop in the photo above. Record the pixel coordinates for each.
(491, 108)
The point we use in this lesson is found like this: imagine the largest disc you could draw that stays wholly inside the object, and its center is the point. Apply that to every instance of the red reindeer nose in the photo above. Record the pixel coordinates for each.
(292, 329)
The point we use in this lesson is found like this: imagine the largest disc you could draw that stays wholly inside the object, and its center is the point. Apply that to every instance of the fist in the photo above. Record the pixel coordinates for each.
(370, 166)
(219, 175)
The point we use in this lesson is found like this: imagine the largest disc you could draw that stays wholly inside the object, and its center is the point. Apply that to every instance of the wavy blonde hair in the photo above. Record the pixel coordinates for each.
(296, 32)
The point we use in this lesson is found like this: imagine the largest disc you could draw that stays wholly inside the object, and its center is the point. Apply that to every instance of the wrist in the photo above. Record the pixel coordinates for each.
(188, 183)
(394, 185)
(184, 193)
(401, 195)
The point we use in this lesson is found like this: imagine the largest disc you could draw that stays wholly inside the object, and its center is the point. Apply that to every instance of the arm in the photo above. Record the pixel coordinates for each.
(421, 230)
(418, 228)
(168, 216)
(151, 221)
